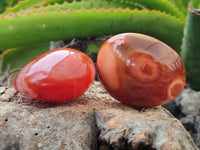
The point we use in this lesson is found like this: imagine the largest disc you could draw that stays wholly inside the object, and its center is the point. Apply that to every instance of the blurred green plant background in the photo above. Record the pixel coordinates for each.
(7, 3)
(28, 26)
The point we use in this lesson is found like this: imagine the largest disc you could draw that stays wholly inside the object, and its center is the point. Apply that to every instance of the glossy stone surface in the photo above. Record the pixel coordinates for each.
(56, 76)
(140, 70)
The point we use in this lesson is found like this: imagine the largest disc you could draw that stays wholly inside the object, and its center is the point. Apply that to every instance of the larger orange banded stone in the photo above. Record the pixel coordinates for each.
(143, 70)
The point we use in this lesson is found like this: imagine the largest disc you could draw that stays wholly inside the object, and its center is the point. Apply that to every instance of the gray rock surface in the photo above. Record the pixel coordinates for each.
(153, 128)
(187, 109)
(93, 121)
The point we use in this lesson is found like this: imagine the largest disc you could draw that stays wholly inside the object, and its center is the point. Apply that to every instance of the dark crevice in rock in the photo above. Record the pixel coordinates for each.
(36, 134)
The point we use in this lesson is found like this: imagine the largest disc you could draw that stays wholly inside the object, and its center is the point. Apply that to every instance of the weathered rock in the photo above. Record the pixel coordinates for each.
(187, 109)
(153, 128)
(93, 121)
(27, 124)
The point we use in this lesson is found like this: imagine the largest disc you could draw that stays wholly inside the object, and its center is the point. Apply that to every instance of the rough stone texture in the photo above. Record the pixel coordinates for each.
(93, 121)
(187, 109)
(151, 129)
(27, 124)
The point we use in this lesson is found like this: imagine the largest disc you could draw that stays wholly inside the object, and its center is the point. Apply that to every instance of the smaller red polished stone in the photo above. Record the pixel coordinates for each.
(140, 70)
(56, 76)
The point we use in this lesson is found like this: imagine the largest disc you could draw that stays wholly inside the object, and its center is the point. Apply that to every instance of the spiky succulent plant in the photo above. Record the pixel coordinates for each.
(27, 28)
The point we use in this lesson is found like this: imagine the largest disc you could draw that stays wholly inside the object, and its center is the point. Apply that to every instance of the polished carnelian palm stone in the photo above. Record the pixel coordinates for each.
(56, 76)
(140, 70)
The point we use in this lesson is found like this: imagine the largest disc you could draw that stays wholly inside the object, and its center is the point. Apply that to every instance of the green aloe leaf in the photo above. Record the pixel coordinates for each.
(191, 47)
(28, 4)
(182, 5)
(196, 4)
(3, 5)
(13, 3)
(25, 5)
(18, 57)
(43, 26)
(161, 5)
